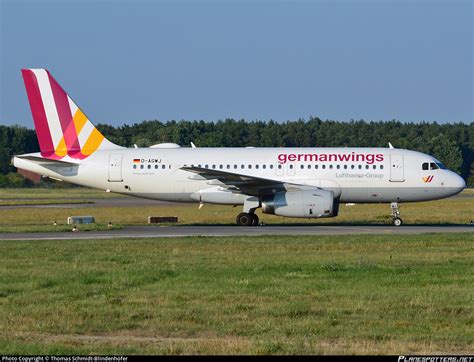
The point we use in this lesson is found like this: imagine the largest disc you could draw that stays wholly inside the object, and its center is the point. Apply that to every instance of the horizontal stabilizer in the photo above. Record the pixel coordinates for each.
(39, 159)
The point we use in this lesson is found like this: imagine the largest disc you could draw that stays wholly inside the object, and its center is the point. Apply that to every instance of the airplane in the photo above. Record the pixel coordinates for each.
(290, 182)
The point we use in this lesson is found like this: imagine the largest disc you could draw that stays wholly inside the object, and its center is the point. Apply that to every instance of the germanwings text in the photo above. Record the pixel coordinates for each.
(330, 157)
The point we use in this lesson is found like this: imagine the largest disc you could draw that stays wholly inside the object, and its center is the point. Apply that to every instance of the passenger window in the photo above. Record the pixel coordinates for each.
(352, 166)
(279, 166)
(360, 166)
(302, 166)
(316, 167)
(425, 166)
(141, 167)
(381, 167)
(242, 166)
(433, 166)
(156, 167)
(323, 166)
(220, 166)
(163, 167)
(271, 166)
(264, 166)
(256, 166)
(366, 167)
(213, 166)
(291, 167)
(134, 166)
(309, 167)
(345, 167)
(250, 166)
(374, 167)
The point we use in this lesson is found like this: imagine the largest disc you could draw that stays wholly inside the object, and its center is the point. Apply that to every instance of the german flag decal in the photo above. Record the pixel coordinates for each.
(136, 160)
(428, 179)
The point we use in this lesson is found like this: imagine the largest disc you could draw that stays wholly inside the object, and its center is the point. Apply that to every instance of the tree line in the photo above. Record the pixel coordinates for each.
(453, 143)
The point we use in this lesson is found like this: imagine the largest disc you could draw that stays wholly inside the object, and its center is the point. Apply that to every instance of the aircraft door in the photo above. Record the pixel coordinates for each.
(397, 173)
(115, 167)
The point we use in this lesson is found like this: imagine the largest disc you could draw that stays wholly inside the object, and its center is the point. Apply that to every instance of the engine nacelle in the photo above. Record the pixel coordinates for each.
(305, 203)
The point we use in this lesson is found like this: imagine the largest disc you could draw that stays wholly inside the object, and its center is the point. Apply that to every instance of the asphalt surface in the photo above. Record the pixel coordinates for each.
(217, 230)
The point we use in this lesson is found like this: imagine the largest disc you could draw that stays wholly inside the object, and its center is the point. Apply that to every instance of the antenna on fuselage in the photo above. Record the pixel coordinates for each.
(390, 145)
(193, 145)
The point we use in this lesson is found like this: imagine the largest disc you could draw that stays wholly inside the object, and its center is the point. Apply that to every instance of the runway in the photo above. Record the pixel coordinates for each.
(217, 230)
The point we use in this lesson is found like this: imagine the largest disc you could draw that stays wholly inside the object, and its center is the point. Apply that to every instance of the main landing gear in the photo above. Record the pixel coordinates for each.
(247, 219)
(248, 216)
(396, 219)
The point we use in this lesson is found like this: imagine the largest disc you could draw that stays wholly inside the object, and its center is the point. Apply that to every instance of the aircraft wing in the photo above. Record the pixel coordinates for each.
(244, 184)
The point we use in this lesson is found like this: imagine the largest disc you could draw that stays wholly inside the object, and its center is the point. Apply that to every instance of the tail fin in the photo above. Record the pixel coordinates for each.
(61, 127)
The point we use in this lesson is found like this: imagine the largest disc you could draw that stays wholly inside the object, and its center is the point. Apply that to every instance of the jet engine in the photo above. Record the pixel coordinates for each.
(302, 203)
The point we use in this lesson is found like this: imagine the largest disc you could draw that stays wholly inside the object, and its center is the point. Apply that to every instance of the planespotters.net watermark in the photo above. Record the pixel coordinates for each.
(435, 359)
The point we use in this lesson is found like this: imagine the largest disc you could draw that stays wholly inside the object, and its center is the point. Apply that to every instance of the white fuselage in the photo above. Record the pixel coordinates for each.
(360, 175)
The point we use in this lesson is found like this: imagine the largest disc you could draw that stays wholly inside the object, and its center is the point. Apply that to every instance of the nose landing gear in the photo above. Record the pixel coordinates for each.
(396, 219)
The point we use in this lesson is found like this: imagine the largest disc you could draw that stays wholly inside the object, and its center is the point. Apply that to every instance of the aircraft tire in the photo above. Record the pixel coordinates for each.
(255, 220)
(397, 221)
(244, 219)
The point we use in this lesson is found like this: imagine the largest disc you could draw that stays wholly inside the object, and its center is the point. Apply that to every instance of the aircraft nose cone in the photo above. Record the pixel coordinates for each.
(458, 183)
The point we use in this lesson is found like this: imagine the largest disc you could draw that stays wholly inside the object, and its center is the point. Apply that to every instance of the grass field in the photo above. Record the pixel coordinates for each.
(456, 210)
(250, 295)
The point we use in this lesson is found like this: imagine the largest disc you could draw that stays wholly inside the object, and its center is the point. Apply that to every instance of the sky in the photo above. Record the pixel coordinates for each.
(128, 61)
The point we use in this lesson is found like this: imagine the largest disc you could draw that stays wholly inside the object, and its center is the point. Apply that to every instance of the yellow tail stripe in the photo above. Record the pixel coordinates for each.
(79, 120)
(61, 150)
(92, 143)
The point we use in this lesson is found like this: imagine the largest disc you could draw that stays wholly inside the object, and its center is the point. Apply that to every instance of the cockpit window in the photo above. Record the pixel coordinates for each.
(433, 166)
(441, 165)
(425, 166)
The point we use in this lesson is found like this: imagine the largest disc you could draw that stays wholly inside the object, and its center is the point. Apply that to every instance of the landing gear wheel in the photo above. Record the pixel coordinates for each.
(254, 220)
(397, 221)
(244, 219)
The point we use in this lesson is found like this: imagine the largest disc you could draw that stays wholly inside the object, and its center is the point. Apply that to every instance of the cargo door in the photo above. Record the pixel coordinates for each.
(397, 174)
(115, 167)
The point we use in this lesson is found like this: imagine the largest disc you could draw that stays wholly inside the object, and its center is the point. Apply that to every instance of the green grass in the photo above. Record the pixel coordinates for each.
(252, 295)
